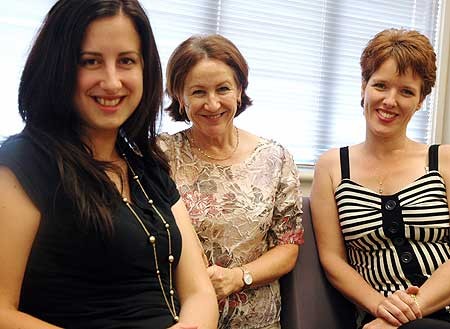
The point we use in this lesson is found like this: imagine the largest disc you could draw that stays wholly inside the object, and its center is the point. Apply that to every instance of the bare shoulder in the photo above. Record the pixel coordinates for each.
(8, 180)
(329, 157)
(444, 153)
(19, 217)
(327, 172)
(12, 195)
(328, 162)
(444, 160)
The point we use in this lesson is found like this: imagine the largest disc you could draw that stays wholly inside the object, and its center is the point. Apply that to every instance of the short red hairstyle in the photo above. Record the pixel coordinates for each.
(408, 48)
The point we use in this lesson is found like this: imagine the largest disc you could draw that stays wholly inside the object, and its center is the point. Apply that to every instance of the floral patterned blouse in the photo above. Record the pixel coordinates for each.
(239, 212)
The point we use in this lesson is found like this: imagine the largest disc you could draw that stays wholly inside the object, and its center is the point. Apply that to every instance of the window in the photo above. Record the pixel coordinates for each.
(19, 21)
(303, 57)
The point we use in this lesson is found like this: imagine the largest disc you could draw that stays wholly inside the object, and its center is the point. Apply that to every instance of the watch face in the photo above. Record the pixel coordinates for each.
(248, 278)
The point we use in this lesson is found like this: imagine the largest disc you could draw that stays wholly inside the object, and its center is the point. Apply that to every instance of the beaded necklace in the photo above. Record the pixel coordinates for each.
(152, 239)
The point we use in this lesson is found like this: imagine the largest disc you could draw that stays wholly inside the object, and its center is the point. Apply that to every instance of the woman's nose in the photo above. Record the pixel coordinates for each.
(111, 81)
(212, 102)
(391, 99)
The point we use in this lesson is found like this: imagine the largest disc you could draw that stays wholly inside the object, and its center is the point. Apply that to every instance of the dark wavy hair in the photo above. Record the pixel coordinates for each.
(46, 94)
(188, 54)
(408, 48)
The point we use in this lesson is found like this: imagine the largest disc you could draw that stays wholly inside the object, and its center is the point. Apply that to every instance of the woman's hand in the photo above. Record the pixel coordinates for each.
(225, 281)
(379, 323)
(400, 307)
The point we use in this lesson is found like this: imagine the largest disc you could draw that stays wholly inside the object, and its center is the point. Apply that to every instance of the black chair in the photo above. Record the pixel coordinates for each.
(308, 300)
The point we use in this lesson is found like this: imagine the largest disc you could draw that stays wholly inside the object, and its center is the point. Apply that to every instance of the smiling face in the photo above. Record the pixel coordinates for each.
(210, 97)
(110, 74)
(390, 100)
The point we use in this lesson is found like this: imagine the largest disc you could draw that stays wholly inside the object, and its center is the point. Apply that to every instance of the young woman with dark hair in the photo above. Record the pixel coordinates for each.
(93, 233)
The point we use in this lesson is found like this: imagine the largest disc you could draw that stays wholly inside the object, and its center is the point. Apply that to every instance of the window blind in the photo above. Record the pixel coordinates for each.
(303, 57)
(304, 61)
(19, 21)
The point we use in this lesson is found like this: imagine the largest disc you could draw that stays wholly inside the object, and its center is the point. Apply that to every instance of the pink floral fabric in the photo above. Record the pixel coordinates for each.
(239, 212)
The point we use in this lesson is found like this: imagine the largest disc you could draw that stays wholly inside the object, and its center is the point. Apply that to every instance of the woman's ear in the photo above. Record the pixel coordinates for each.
(182, 106)
(419, 105)
(182, 101)
(363, 90)
(239, 96)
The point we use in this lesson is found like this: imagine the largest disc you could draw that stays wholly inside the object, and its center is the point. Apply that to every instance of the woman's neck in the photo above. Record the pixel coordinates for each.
(216, 148)
(220, 141)
(103, 146)
(383, 148)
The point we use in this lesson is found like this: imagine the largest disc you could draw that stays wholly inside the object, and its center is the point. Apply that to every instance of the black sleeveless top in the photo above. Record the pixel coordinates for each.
(395, 241)
(77, 279)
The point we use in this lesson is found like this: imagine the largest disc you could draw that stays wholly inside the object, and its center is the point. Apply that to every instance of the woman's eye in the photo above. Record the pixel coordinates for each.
(127, 61)
(198, 92)
(87, 62)
(224, 89)
(408, 92)
(379, 85)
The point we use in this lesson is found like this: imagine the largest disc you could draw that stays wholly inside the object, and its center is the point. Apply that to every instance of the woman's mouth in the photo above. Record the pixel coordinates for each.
(214, 116)
(386, 115)
(108, 101)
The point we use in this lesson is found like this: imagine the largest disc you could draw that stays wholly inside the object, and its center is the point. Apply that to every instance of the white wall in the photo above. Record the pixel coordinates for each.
(444, 88)
(442, 100)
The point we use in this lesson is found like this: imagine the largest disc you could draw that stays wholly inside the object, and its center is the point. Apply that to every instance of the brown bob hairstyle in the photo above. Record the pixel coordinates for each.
(188, 54)
(408, 48)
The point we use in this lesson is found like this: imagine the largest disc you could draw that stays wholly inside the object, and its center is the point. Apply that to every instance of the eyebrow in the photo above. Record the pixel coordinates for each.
(94, 53)
(403, 85)
(201, 86)
(378, 80)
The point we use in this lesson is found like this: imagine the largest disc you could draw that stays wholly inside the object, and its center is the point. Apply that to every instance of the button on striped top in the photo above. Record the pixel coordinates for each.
(399, 240)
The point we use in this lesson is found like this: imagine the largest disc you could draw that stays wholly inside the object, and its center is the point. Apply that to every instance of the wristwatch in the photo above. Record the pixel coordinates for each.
(246, 277)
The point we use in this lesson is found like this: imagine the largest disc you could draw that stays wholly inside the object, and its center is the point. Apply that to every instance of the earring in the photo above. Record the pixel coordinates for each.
(238, 103)
(362, 102)
(131, 144)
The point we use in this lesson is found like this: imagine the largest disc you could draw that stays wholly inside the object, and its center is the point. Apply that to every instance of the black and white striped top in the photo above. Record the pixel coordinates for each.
(395, 241)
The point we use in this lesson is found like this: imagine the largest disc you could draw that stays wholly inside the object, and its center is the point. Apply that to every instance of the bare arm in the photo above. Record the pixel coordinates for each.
(19, 221)
(329, 237)
(273, 264)
(434, 294)
(197, 297)
(398, 308)
(267, 268)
